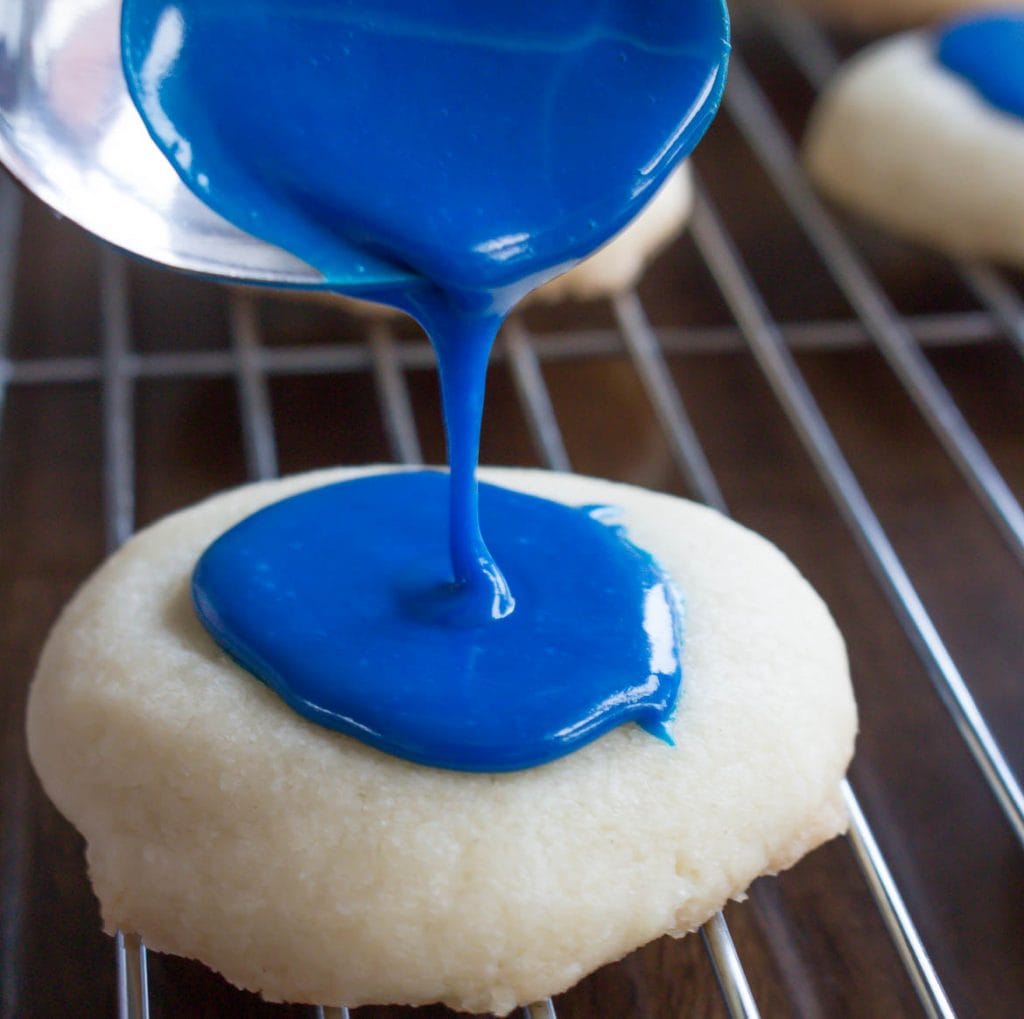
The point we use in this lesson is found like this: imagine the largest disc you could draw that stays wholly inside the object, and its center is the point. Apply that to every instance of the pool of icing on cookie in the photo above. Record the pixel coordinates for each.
(457, 157)
(446, 690)
(988, 52)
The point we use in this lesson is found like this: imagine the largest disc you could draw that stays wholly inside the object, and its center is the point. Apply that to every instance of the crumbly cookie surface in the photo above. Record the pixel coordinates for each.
(307, 866)
(910, 145)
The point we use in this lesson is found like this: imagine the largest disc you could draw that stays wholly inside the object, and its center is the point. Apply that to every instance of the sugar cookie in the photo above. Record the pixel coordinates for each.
(907, 143)
(310, 867)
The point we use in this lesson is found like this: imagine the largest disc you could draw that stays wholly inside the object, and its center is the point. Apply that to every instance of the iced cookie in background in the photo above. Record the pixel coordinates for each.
(306, 865)
(878, 16)
(614, 268)
(923, 134)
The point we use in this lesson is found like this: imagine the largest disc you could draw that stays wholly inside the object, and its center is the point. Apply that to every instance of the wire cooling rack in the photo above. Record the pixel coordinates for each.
(856, 400)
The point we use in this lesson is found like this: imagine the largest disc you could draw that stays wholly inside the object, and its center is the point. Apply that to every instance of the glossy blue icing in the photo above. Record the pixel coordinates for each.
(477, 143)
(988, 52)
(372, 637)
(445, 161)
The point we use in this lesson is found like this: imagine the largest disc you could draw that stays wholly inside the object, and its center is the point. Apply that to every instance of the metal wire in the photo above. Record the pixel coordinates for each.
(1000, 297)
(728, 969)
(650, 366)
(14, 795)
(118, 415)
(132, 977)
(118, 491)
(540, 1010)
(393, 394)
(913, 954)
(322, 1012)
(540, 412)
(10, 228)
(947, 329)
(253, 393)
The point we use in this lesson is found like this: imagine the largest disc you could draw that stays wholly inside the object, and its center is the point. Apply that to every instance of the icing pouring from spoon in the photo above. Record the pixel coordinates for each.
(480, 148)
(483, 147)
(473, 151)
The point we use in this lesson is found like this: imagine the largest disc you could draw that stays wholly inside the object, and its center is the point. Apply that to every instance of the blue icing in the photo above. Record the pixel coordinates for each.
(479, 143)
(445, 162)
(370, 636)
(988, 52)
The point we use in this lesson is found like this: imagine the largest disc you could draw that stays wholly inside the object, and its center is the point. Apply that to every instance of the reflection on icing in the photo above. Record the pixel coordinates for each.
(988, 52)
(159, 62)
(659, 625)
(464, 154)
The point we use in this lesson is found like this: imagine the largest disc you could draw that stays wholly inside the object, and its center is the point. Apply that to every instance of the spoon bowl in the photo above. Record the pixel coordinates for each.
(71, 135)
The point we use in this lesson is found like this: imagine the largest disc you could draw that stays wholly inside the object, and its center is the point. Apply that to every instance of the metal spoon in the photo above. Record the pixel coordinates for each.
(70, 133)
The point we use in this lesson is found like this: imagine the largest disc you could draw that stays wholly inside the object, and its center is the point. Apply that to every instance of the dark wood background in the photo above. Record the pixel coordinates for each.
(812, 941)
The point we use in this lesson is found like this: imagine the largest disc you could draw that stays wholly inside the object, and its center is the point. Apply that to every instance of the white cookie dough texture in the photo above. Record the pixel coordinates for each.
(890, 15)
(302, 864)
(908, 144)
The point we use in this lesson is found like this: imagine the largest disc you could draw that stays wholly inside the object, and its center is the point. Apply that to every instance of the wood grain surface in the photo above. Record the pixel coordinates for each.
(812, 941)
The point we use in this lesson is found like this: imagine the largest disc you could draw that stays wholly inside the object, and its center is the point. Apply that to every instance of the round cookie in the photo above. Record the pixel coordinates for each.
(310, 867)
(890, 15)
(907, 143)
